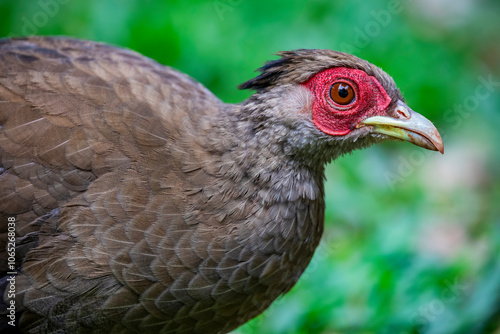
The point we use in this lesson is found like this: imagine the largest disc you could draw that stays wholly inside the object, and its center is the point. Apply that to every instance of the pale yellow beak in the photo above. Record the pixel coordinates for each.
(409, 126)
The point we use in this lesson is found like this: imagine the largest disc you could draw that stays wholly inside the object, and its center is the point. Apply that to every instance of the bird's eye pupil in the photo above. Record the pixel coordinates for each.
(342, 93)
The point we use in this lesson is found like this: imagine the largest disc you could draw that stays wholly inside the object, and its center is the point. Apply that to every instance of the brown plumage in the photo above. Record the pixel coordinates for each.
(145, 204)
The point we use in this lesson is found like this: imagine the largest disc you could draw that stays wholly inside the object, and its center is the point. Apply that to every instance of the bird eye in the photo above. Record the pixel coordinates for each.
(342, 93)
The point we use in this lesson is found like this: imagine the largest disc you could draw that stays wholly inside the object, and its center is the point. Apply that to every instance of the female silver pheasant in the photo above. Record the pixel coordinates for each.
(139, 202)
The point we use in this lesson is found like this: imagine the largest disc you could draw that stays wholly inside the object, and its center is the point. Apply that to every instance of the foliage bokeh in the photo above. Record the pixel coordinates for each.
(412, 238)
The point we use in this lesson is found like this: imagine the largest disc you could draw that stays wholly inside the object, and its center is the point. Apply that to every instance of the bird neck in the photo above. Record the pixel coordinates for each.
(269, 155)
(274, 198)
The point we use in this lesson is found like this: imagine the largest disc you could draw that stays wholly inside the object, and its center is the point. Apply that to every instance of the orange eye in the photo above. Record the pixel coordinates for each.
(342, 93)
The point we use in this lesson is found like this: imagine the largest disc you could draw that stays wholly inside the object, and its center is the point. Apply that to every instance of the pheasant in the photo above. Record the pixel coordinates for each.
(138, 201)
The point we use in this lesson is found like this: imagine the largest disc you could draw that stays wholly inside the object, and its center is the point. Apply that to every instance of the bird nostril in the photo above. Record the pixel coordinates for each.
(403, 112)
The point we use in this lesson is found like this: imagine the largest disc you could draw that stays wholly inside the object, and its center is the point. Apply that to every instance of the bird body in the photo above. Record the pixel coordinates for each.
(143, 203)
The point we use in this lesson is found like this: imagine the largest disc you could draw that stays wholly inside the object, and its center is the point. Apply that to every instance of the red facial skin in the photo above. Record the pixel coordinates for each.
(338, 120)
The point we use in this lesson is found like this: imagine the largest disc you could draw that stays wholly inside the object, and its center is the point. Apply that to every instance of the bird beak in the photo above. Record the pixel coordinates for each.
(409, 126)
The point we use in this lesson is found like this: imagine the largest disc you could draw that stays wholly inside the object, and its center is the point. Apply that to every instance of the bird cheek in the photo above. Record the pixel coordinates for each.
(380, 101)
(335, 121)
(339, 121)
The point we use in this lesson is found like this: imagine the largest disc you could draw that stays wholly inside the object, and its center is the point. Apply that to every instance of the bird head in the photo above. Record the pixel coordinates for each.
(347, 99)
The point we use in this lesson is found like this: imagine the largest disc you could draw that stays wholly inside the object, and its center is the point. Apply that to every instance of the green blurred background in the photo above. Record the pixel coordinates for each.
(412, 238)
